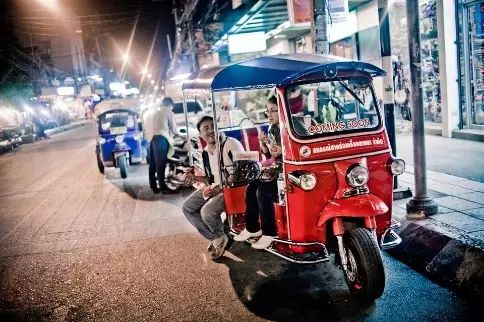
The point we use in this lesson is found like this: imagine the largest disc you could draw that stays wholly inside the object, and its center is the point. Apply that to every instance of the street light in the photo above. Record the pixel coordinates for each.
(51, 4)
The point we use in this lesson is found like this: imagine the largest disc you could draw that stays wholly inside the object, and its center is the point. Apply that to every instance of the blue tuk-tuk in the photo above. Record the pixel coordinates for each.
(119, 140)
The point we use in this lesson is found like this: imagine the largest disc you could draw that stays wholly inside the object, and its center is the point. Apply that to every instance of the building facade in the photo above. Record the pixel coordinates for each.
(452, 51)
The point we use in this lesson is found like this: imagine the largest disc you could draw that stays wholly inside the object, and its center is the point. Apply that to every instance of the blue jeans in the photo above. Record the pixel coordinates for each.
(158, 156)
(204, 215)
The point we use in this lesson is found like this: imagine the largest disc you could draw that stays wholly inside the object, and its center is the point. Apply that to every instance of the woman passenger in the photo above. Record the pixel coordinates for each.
(261, 195)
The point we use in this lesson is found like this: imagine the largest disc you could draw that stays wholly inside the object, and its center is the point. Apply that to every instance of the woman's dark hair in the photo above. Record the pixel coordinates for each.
(272, 100)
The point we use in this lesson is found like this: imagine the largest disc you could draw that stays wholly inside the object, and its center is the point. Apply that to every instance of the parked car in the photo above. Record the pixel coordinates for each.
(10, 138)
(193, 108)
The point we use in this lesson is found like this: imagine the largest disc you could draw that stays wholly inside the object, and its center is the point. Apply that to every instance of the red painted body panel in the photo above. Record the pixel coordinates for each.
(304, 209)
(366, 205)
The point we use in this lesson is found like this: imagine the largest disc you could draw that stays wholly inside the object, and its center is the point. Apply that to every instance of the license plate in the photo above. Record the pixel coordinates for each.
(118, 130)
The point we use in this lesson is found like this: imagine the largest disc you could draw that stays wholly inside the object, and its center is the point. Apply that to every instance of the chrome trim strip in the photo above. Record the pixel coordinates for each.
(270, 249)
(338, 159)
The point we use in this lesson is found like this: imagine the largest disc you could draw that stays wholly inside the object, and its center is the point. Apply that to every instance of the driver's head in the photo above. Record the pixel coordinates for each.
(167, 102)
(272, 111)
(206, 129)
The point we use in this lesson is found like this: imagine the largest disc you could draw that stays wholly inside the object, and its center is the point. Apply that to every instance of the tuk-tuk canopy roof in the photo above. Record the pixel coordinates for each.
(129, 104)
(278, 70)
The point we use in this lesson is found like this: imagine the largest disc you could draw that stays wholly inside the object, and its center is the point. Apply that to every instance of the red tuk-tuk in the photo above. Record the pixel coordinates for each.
(336, 185)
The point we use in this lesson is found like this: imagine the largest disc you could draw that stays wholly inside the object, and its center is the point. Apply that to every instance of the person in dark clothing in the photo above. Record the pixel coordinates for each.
(261, 194)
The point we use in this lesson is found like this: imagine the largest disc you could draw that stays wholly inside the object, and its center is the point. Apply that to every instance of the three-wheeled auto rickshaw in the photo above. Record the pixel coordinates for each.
(119, 139)
(336, 185)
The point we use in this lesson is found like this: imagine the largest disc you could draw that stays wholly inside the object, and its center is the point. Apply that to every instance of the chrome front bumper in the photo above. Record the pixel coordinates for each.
(389, 239)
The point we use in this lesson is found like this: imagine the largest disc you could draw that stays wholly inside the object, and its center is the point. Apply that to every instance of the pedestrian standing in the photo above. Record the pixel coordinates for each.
(163, 128)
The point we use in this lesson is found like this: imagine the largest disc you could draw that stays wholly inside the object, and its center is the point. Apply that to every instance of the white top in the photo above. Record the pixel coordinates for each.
(230, 145)
(147, 119)
(159, 121)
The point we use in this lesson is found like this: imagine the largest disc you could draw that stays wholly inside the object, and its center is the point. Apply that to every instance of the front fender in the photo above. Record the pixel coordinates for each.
(355, 206)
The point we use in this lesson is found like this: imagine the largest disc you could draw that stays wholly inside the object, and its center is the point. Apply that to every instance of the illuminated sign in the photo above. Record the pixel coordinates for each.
(65, 91)
(247, 42)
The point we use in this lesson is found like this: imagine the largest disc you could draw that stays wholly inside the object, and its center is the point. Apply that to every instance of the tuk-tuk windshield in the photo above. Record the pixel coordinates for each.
(117, 120)
(337, 106)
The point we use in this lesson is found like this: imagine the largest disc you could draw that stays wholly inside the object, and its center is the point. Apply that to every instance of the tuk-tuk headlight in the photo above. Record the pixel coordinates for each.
(397, 166)
(119, 139)
(102, 140)
(305, 180)
(138, 136)
(105, 126)
(357, 176)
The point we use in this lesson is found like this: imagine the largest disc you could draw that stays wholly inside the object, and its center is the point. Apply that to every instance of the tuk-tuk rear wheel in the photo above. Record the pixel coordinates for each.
(365, 274)
(100, 164)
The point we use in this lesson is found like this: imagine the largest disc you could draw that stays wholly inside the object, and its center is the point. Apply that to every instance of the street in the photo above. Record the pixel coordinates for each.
(76, 245)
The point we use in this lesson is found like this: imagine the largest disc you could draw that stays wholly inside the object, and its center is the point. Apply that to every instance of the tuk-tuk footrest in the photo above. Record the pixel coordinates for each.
(313, 257)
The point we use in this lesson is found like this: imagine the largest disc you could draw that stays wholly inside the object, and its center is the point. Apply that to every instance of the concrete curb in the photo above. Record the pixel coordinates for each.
(446, 256)
(65, 127)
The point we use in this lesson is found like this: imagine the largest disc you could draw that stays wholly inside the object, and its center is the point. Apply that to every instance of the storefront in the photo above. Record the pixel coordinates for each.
(471, 44)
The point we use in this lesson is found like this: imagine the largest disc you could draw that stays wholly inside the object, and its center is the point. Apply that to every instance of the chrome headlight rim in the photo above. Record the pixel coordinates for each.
(102, 140)
(357, 175)
(138, 136)
(397, 166)
(304, 180)
(308, 181)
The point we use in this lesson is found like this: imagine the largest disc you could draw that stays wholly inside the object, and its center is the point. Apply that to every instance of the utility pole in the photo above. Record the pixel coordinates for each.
(420, 205)
(388, 89)
(320, 27)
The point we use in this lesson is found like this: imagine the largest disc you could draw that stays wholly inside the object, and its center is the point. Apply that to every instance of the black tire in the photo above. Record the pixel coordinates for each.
(123, 166)
(365, 275)
(100, 164)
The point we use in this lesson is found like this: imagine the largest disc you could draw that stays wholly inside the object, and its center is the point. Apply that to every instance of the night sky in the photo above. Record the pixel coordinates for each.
(110, 21)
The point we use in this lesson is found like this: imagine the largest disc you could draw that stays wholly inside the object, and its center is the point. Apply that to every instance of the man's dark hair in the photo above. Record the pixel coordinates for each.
(203, 119)
(272, 100)
(167, 101)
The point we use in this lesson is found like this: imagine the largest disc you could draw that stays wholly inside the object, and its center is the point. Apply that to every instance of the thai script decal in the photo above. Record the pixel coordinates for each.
(348, 145)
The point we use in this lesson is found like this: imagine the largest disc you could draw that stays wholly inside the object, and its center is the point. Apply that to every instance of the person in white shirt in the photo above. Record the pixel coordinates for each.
(160, 129)
(147, 122)
(204, 207)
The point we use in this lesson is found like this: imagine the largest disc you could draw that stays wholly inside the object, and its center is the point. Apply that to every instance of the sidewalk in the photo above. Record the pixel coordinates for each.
(447, 247)
(69, 126)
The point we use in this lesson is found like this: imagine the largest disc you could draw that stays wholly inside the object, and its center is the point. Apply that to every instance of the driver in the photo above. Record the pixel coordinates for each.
(162, 126)
(204, 207)
(261, 194)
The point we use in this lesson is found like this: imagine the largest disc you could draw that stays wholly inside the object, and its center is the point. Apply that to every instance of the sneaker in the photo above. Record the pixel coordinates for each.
(219, 244)
(245, 234)
(210, 247)
(263, 242)
(168, 191)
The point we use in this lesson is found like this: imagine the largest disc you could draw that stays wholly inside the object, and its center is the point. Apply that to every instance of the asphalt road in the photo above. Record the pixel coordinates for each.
(462, 158)
(76, 245)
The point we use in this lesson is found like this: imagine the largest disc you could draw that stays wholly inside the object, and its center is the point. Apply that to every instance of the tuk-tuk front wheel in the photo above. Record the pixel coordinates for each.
(100, 164)
(364, 274)
(123, 166)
